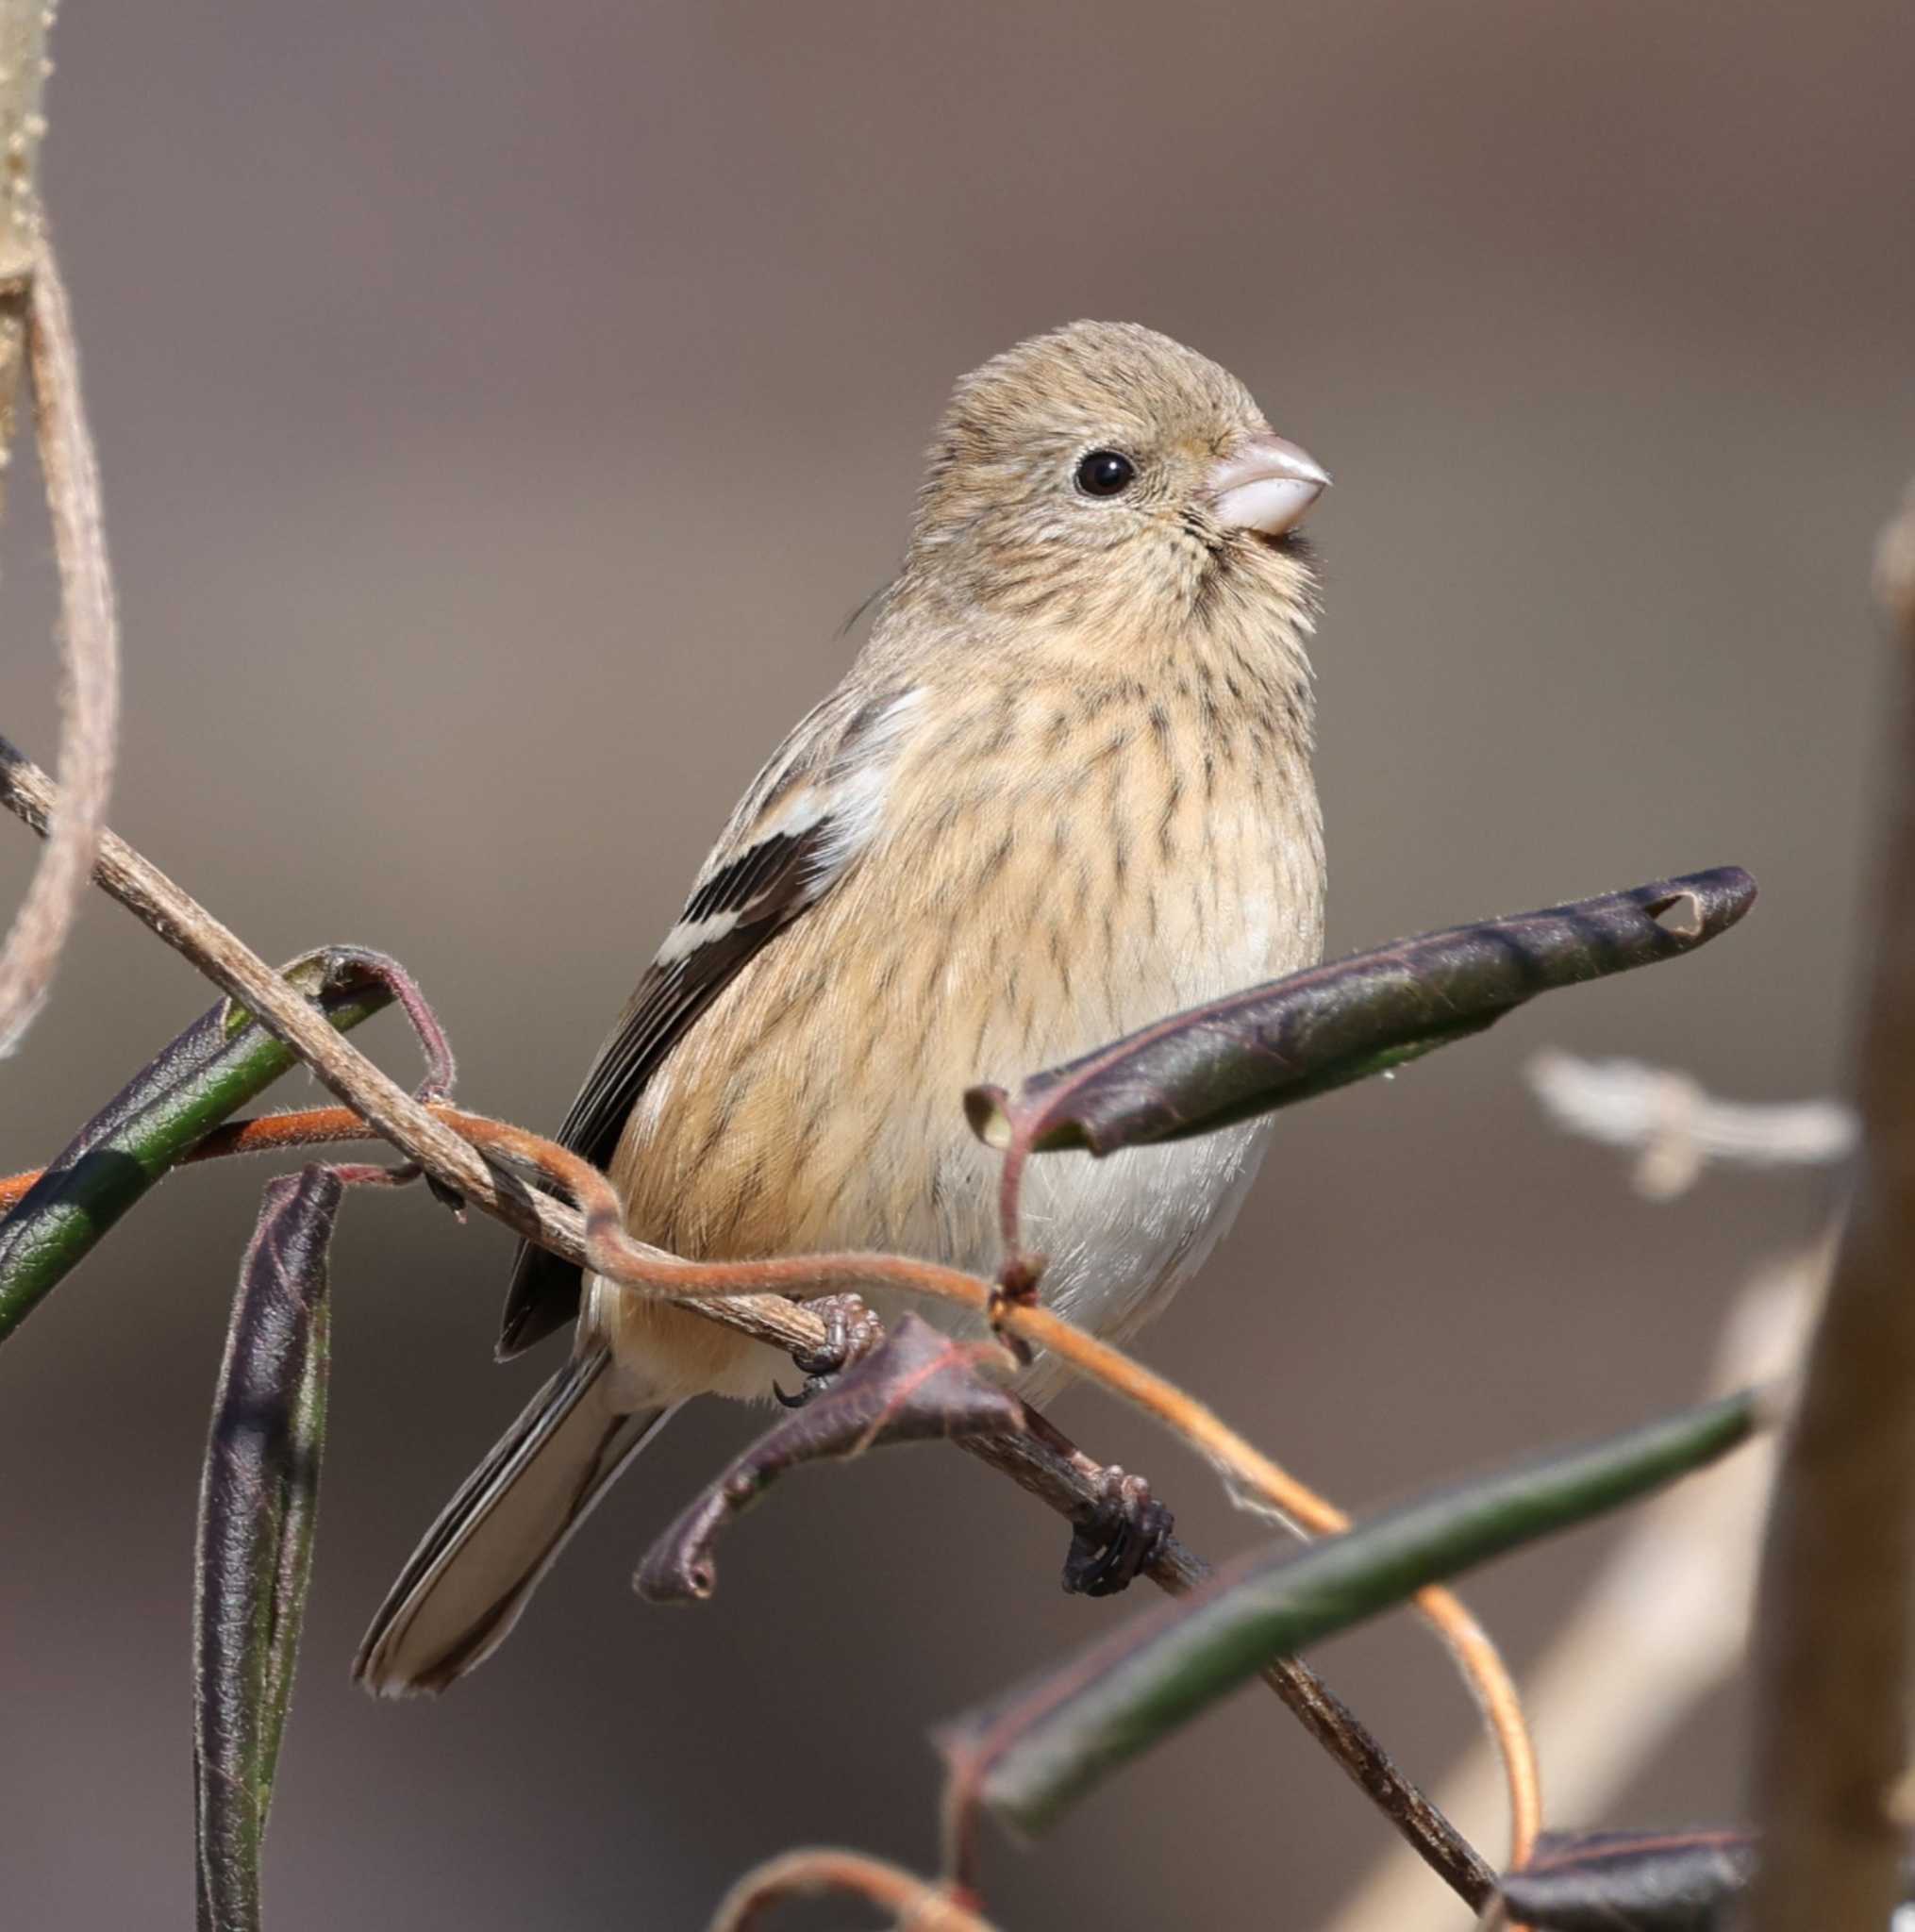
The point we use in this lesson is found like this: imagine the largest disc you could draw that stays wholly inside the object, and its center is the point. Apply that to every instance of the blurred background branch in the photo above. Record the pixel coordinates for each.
(1837, 1617)
(1676, 1128)
(25, 25)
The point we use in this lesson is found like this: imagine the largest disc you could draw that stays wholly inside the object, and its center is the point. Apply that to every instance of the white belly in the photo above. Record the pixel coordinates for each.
(1120, 1236)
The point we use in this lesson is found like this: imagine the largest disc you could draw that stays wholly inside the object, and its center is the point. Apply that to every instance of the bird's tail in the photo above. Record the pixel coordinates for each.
(465, 1585)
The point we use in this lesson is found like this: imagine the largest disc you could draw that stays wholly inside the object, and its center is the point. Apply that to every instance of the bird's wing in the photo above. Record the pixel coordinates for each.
(798, 831)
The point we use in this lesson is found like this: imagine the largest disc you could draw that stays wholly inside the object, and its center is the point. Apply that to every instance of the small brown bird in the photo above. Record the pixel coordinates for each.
(1064, 789)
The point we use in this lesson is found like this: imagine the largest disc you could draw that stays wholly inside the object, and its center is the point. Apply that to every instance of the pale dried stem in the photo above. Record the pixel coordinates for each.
(1676, 1128)
(90, 668)
(917, 1905)
(1836, 1624)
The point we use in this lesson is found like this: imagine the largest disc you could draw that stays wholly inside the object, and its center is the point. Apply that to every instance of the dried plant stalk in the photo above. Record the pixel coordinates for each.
(90, 683)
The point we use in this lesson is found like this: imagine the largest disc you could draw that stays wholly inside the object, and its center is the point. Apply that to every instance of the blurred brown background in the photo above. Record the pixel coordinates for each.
(502, 406)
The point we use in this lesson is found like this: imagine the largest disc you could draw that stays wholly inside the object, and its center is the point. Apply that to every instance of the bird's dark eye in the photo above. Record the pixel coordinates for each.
(1106, 473)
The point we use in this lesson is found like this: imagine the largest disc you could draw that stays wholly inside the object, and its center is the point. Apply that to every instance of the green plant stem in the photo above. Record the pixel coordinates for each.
(206, 1076)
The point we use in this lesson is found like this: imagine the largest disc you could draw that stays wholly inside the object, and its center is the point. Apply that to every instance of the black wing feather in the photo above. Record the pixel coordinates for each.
(767, 887)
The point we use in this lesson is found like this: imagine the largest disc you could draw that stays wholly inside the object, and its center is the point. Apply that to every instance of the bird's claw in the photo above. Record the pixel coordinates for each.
(851, 1333)
(1125, 1533)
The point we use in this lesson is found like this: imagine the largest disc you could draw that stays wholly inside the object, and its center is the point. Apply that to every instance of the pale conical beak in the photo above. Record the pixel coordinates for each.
(1266, 485)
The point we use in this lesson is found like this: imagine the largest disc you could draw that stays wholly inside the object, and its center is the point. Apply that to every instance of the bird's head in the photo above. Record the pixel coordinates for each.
(1104, 468)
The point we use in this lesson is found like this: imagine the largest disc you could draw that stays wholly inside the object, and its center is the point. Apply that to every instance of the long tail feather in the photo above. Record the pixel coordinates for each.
(467, 1582)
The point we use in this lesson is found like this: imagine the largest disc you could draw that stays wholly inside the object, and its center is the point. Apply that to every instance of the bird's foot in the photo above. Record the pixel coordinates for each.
(1126, 1533)
(851, 1333)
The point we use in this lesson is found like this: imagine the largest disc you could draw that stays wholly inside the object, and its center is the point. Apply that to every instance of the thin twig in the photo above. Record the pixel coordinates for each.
(918, 1905)
(90, 657)
(1425, 1831)
(273, 1133)
(1676, 1128)
(1837, 1601)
